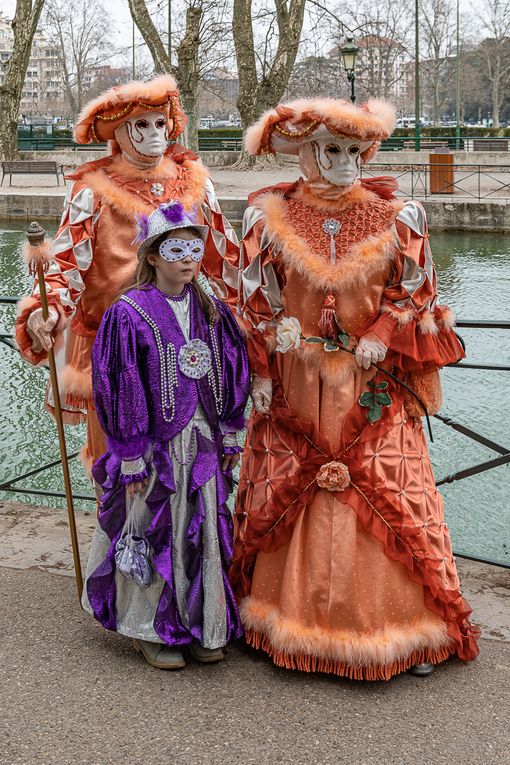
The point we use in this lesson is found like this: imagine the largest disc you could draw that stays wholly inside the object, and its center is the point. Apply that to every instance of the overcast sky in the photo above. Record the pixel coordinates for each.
(122, 24)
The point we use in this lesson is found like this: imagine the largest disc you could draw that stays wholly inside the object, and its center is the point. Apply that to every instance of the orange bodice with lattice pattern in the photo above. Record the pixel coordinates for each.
(363, 219)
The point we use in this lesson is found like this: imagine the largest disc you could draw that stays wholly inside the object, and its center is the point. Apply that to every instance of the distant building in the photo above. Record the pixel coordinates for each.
(43, 90)
(101, 78)
(381, 68)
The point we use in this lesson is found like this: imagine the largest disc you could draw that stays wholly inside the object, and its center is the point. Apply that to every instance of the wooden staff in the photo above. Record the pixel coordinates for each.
(38, 263)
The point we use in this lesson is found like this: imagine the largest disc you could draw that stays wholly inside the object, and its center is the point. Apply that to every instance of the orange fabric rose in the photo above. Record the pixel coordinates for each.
(333, 476)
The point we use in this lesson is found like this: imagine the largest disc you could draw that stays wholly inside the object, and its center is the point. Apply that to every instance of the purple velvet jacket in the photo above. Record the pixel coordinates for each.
(140, 393)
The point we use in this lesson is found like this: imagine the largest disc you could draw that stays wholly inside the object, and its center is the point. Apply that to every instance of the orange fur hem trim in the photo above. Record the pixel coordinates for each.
(426, 383)
(77, 386)
(39, 253)
(305, 663)
(445, 317)
(26, 305)
(86, 460)
(401, 315)
(378, 648)
(427, 324)
(370, 256)
(128, 204)
(334, 367)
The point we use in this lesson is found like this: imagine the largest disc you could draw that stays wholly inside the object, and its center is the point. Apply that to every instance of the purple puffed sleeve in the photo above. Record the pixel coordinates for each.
(236, 370)
(119, 394)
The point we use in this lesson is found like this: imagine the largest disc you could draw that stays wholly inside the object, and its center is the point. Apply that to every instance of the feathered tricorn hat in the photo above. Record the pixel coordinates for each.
(283, 129)
(100, 118)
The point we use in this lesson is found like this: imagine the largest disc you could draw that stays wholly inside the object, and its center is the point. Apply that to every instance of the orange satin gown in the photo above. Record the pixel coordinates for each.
(345, 593)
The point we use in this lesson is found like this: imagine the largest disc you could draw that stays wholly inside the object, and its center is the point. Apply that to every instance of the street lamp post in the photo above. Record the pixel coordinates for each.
(349, 53)
(417, 111)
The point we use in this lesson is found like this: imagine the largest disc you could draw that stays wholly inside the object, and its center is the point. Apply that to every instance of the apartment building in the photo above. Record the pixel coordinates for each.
(43, 90)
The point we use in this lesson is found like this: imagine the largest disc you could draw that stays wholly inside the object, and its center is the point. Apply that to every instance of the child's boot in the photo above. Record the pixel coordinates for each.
(160, 655)
(205, 655)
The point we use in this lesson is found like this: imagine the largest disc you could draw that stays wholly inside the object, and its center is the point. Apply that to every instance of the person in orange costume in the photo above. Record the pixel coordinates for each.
(342, 561)
(92, 255)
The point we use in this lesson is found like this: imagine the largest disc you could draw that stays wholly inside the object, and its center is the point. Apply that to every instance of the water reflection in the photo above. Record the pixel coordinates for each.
(473, 278)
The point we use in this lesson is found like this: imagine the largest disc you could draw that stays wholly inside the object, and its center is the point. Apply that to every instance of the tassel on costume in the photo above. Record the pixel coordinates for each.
(328, 325)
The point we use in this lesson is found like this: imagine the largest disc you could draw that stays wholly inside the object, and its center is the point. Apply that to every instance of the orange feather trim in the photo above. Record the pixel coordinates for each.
(427, 324)
(128, 204)
(77, 386)
(426, 383)
(374, 648)
(38, 253)
(372, 255)
(305, 663)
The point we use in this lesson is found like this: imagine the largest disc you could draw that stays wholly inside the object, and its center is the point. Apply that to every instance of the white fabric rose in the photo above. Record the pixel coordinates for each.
(288, 335)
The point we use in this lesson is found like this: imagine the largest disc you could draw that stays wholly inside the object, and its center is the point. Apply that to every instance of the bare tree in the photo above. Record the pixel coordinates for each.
(204, 30)
(265, 61)
(439, 37)
(495, 51)
(24, 25)
(382, 34)
(81, 35)
(320, 75)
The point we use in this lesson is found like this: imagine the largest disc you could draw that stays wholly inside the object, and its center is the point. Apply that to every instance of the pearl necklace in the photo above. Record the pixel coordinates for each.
(168, 366)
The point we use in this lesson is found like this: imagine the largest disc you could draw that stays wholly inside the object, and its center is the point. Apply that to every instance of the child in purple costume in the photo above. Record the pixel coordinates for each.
(170, 381)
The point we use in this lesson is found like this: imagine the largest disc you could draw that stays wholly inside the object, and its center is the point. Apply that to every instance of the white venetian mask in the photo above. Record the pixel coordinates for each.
(339, 159)
(148, 133)
(143, 139)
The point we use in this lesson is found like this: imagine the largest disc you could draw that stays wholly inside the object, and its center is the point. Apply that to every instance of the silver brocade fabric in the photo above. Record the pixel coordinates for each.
(136, 606)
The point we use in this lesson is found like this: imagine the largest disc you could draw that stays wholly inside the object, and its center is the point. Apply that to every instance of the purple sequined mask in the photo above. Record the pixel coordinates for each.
(178, 249)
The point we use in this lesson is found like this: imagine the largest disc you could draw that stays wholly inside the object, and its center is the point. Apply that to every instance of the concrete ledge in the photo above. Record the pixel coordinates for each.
(443, 215)
(74, 158)
(71, 159)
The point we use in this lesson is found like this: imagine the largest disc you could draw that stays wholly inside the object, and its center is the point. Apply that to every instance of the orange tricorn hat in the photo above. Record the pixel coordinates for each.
(283, 129)
(101, 117)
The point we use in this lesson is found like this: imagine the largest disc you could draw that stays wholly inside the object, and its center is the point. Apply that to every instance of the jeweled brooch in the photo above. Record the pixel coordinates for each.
(195, 359)
(157, 189)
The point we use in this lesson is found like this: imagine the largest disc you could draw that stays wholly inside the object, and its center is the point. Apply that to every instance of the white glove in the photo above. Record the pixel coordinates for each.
(262, 394)
(40, 330)
(370, 350)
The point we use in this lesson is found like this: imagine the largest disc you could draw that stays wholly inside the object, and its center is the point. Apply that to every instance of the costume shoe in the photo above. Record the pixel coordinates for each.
(422, 670)
(160, 655)
(205, 655)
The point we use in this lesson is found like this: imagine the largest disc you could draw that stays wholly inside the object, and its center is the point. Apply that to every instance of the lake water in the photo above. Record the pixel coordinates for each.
(474, 279)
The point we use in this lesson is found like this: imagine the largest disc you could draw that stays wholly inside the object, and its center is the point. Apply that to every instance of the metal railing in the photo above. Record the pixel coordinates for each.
(503, 452)
(469, 143)
(215, 143)
(476, 182)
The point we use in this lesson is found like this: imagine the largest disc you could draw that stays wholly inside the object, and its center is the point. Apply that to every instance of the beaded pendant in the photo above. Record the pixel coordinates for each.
(195, 359)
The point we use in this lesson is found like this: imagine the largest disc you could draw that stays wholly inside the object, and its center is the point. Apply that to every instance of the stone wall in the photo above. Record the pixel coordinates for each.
(442, 215)
(72, 158)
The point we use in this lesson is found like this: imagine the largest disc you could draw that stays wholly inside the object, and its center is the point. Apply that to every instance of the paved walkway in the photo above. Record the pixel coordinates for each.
(73, 694)
(237, 184)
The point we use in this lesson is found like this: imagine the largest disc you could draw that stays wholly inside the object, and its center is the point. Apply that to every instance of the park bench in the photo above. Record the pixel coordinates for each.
(31, 167)
(426, 145)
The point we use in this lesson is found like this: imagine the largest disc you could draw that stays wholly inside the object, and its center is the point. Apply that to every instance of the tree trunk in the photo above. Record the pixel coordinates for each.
(255, 96)
(24, 26)
(189, 75)
(496, 98)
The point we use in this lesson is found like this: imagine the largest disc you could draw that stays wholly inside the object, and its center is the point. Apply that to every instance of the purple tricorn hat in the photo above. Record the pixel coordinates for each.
(166, 217)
